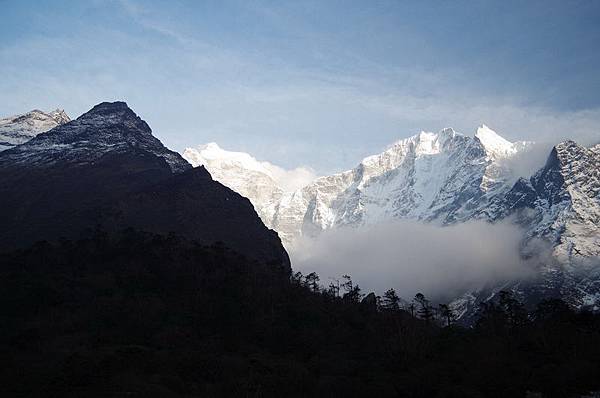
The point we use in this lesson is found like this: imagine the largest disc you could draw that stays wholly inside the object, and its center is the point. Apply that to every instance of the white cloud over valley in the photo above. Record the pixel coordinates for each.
(412, 257)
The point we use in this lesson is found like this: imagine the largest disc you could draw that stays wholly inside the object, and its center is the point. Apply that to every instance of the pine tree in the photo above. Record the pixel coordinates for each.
(296, 278)
(390, 301)
(312, 281)
(425, 310)
(334, 288)
(352, 291)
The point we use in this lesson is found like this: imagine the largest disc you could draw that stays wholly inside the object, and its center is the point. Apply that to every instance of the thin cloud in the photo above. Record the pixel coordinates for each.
(292, 179)
(413, 257)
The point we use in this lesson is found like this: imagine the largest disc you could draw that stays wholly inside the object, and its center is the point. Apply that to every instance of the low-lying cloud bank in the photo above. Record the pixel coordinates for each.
(413, 257)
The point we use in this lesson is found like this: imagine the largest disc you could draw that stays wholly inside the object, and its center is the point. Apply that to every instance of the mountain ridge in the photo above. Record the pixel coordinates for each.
(18, 129)
(449, 178)
(411, 165)
(101, 169)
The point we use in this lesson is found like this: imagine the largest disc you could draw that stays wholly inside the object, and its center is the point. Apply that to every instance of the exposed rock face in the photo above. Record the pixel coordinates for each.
(444, 177)
(560, 204)
(105, 169)
(448, 178)
(16, 130)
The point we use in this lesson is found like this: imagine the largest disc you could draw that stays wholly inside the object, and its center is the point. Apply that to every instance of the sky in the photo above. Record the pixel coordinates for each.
(319, 84)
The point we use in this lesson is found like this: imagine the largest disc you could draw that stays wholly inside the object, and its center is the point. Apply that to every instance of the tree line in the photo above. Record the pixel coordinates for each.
(419, 307)
(137, 314)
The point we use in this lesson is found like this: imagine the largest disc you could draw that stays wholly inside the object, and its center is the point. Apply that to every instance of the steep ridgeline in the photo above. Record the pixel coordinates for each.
(16, 130)
(105, 169)
(444, 177)
(242, 173)
(561, 205)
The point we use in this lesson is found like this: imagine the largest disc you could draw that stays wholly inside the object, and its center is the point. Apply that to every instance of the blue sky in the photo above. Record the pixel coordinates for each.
(314, 83)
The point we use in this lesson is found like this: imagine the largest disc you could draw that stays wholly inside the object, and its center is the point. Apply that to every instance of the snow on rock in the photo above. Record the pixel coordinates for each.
(18, 129)
(106, 128)
(445, 178)
(268, 187)
(494, 144)
(560, 205)
(442, 176)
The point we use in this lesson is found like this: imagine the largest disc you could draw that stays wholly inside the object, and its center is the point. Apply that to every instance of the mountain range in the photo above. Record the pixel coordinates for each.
(106, 170)
(447, 178)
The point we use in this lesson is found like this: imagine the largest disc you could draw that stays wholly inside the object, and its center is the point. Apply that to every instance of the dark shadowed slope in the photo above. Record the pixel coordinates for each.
(106, 170)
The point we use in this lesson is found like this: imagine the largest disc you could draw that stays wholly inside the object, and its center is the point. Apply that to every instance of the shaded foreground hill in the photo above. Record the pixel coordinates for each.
(137, 314)
(105, 169)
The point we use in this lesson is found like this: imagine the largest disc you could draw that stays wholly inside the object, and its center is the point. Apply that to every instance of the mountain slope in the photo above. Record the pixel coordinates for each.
(242, 173)
(16, 130)
(108, 128)
(447, 178)
(560, 204)
(105, 169)
(444, 177)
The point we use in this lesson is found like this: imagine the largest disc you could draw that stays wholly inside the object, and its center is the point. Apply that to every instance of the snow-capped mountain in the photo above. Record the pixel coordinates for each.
(448, 178)
(18, 129)
(444, 177)
(106, 128)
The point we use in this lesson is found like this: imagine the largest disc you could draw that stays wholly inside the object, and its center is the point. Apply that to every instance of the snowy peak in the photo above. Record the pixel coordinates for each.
(262, 182)
(18, 129)
(106, 128)
(444, 176)
(428, 144)
(493, 143)
(60, 116)
(416, 178)
(211, 156)
(422, 144)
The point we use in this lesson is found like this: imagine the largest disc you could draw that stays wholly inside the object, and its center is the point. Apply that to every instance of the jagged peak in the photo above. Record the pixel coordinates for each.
(37, 114)
(566, 144)
(447, 132)
(493, 143)
(425, 142)
(60, 116)
(486, 134)
(566, 150)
